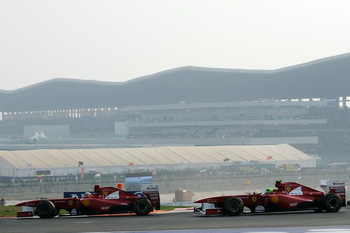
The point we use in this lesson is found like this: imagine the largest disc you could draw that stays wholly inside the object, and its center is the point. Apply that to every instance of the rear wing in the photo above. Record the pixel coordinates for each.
(335, 186)
(152, 193)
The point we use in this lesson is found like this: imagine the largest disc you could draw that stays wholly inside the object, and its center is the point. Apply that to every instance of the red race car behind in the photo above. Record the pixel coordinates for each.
(103, 200)
(287, 196)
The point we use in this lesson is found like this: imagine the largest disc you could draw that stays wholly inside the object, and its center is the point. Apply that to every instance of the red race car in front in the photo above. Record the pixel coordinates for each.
(287, 196)
(103, 200)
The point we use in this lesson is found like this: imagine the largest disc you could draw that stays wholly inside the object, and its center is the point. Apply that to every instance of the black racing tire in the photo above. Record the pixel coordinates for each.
(233, 206)
(142, 206)
(46, 209)
(56, 212)
(331, 202)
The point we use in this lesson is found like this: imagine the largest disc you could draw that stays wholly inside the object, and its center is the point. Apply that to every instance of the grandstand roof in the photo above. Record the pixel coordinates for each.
(316, 79)
(54, 158)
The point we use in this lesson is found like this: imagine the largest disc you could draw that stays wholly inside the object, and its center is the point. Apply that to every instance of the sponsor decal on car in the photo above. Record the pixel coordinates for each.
(274, 199)
(114, 195)
(296, 191)
(211, 200)
(60, 201)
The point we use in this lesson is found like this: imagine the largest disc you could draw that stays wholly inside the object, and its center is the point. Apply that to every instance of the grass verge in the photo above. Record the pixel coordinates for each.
(169, 208)
(9, 211)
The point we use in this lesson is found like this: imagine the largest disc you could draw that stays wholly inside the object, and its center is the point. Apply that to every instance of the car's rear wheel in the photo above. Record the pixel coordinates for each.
(233, 206)
(331, 202)
(46, 209)
(142, 206)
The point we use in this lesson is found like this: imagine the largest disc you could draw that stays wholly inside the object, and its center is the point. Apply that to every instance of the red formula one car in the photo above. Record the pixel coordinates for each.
(287, 196)
(103, 200)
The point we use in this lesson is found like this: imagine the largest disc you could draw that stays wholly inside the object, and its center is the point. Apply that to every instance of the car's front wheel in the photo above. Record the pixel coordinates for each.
(46, 209)
(233, 206)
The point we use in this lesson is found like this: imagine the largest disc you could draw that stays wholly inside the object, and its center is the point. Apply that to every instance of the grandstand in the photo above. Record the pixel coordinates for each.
(230, 119)
(202, 120)
(317, 126)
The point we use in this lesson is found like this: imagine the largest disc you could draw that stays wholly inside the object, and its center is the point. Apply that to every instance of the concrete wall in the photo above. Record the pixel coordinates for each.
(121, 128)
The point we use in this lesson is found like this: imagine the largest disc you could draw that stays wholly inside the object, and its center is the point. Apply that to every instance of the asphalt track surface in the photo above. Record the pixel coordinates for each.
(303, 221)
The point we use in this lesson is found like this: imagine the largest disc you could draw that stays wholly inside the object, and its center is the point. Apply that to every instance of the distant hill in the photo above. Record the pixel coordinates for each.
(329, 77)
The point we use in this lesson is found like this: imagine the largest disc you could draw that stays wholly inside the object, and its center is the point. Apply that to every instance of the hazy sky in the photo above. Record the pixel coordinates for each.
(112, 40)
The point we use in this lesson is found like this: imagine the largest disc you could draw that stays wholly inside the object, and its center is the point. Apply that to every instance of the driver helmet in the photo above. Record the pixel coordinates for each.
(268, 190)
(87, 194)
